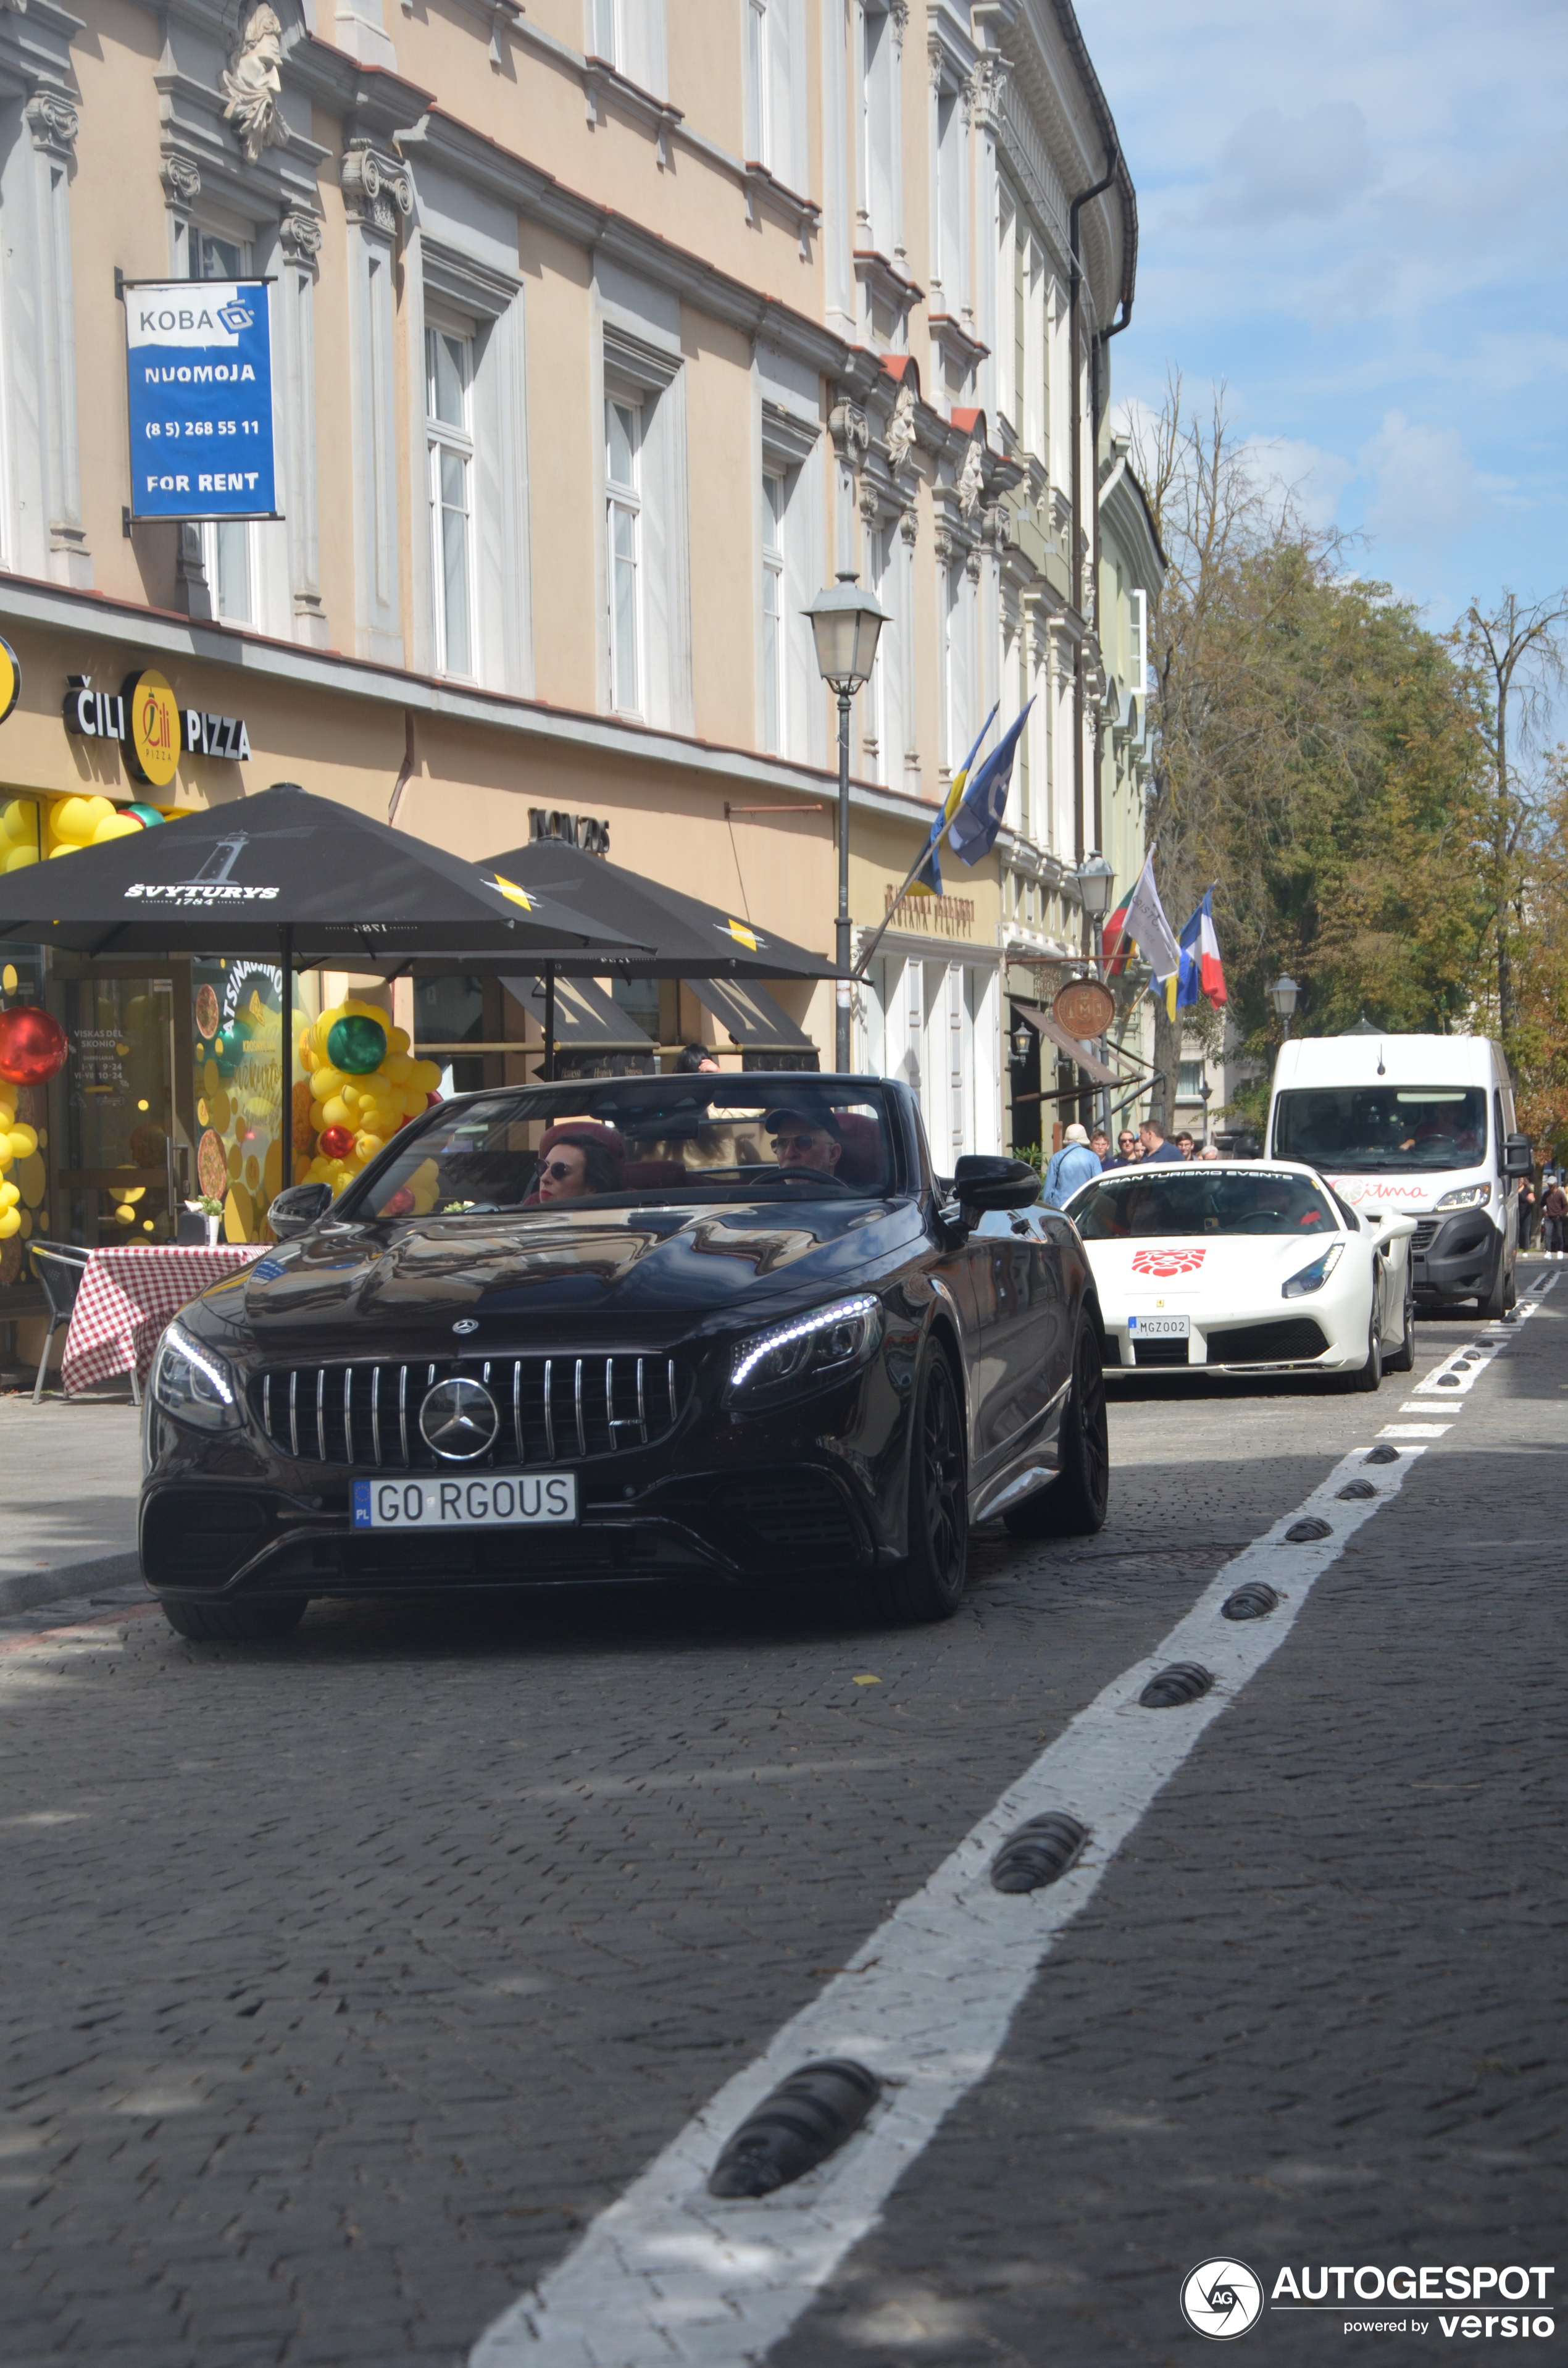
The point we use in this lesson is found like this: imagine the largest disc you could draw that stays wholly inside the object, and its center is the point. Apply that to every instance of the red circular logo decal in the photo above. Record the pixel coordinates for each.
(1164, 1263)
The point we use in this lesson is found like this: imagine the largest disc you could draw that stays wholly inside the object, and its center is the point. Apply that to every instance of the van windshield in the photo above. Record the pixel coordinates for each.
(1373, 1130)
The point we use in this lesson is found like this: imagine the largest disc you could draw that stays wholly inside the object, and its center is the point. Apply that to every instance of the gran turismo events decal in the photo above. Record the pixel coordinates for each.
(1166, 1262)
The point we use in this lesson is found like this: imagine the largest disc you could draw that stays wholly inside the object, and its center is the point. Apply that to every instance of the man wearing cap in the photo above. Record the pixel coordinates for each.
(808, 1137)
(1073, 1165)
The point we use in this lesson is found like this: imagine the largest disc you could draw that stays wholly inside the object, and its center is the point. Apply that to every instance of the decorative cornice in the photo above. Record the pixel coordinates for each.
(182, 183)
(602, 82)
(378, 188)
(301, 235)
(53, 122)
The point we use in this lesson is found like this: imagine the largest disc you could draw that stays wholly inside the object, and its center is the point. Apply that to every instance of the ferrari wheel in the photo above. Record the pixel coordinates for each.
(1073, 1505)
(1368, 1376)
(266, 1622)
(929, 1584)
(1403, 1358)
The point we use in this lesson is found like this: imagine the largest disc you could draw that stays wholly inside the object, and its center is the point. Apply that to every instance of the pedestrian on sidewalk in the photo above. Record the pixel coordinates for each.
(1073, 1165)
(1554, 1209)
(1151, 1136)
(1527, 1211)
(1099, 1143)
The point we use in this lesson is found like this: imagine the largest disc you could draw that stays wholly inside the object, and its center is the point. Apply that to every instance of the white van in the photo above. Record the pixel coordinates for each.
(1423, 1124)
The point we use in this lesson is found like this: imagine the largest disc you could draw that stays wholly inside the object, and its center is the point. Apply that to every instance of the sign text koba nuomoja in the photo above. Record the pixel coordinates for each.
(199, 374)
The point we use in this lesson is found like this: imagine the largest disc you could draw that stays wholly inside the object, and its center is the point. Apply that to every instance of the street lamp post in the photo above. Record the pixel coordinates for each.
(1283, 994)
(845, 622)
(1097, 885)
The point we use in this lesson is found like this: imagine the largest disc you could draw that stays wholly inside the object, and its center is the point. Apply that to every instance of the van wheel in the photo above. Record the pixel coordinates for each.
(1497, 1302)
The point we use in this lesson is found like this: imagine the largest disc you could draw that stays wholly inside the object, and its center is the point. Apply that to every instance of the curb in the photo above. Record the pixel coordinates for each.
(22, 1591)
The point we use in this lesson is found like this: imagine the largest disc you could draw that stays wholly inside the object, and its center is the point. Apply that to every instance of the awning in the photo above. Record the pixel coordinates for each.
(586, 1019)
(1090, 1062)
(754, 1021)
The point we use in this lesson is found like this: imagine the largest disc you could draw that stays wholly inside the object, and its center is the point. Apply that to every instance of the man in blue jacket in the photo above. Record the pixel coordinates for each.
(1073, 1165)
(1151, 1136)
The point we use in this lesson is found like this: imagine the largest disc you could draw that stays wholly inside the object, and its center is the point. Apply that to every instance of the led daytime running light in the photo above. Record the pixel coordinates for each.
(848, 1311)
(184, 1346)
(1308, 1279)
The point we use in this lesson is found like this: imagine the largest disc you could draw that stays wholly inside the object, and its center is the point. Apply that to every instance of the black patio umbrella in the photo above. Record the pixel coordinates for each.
(285, 875)
(685, 937)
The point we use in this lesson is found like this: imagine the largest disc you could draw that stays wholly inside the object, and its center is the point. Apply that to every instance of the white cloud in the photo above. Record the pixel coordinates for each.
(1424, 489)
(1274, 166)
(1285, 468)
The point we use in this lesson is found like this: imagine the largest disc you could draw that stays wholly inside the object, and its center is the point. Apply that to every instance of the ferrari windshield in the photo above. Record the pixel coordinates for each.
(1370, 1130)
(635, 1142)
(1130, 1205)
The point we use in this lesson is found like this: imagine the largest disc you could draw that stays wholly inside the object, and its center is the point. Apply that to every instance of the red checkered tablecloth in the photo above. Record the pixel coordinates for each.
(126, 1297)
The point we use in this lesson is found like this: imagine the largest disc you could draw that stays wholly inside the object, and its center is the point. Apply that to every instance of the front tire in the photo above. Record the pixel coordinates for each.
(1497, 1302)
(1369, 1376)
(929, 1583)
(1403, 1358)
(265, 1621)
(1075, 1504)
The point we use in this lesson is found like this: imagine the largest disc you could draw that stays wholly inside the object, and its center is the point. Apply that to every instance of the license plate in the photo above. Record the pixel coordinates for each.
(498, 1501)
(1159, 1327)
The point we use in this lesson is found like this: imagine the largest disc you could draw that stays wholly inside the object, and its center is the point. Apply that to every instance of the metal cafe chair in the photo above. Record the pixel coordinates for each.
(60, 1266)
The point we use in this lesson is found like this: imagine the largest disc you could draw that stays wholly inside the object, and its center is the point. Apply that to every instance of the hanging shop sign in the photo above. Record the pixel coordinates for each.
(577, 830)
(10, 680)
(152, 728)
(198, 358)
(1084, 1009)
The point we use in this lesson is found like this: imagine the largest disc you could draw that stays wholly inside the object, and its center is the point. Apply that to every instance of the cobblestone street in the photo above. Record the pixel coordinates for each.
(346, 1980)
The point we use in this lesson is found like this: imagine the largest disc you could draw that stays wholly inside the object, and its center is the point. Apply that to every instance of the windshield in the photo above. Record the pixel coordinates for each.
(1371, 1130)
(634, 1142)
(1176, 1200)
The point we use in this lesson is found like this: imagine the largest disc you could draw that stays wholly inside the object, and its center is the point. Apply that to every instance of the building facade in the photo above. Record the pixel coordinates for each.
(605, 333)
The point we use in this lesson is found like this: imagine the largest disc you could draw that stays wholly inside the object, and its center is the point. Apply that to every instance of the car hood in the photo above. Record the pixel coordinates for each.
(1191, 1270)
(646, 1274)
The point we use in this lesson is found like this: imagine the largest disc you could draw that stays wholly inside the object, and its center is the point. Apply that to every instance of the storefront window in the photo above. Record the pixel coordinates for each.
(238, 1049)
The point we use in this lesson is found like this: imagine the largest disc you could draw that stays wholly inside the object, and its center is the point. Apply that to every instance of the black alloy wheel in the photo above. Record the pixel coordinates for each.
(929, 1584)
(1369, 1376)
(265, 1621)
(1075, 1504)
(1403, 1358)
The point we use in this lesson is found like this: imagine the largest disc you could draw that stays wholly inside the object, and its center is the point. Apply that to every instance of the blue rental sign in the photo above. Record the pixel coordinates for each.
(199, 373)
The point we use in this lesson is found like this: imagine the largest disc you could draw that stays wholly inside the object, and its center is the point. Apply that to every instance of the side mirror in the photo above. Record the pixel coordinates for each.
(983, 1181)
(296, 1210)
(1518, 1158)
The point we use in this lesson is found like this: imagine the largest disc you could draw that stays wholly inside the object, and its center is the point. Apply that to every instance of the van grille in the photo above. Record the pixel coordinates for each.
(1421, 1239)
(552, 1409)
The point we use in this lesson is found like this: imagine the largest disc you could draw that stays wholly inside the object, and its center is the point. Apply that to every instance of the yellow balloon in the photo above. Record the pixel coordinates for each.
(397, 1067)
(426, 1076)
(16, 820)
(77, 819)
(7, 1155)
(20, 856)
(399, 1042)
(119, 826)
(23, 1141)
(9, 1223)
(366, 1146)
(9, 1195)
(326, 1081)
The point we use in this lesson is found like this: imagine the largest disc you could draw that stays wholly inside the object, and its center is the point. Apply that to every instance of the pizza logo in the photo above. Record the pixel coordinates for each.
(1164, 1263)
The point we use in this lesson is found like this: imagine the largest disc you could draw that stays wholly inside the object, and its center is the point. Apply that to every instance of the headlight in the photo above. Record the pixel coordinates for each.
(193, 1383)
(1314, 1276)
(829, 1341)
(1466, 1196)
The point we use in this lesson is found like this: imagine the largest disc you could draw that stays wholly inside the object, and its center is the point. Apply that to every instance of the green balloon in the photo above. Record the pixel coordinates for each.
(356, 1046)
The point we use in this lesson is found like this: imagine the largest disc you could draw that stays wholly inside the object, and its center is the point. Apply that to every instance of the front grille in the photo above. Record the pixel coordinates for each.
(1421, 1239)
(1159, 1352)
(1284, 1342)
(552, 1409)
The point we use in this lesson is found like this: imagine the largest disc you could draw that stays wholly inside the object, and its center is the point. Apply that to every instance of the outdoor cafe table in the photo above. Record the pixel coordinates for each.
(127, 1296)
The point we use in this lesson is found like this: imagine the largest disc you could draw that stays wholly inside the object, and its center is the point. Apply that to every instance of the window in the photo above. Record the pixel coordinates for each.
(775, 498)
(448, 430)
(623, 453)
(878, 132)
(951, 162)
(228, 545)
(1189, 1081)
(775, 49)
(604, 30)
(756, 82)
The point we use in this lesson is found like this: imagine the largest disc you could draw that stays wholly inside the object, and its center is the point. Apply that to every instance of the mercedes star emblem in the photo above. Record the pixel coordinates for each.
(466, 1324)
(459, 1420)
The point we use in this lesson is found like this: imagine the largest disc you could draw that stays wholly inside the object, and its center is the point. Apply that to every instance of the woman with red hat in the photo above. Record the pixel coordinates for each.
(578, 1157)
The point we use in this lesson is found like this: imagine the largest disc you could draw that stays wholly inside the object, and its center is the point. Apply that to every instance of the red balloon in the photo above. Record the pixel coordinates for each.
(33, 1047)
(334, 1143)
(432, 1102)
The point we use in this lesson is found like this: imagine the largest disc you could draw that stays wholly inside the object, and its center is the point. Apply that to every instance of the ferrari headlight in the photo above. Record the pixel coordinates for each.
(1312, 1278)
(194, 1384)
(1466, 1196)
(818, 1346)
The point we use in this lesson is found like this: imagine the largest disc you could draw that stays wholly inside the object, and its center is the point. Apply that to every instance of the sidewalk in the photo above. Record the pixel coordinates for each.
(70, 1471)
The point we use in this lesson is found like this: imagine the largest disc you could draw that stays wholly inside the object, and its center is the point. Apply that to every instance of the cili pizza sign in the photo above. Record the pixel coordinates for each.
(198, 358)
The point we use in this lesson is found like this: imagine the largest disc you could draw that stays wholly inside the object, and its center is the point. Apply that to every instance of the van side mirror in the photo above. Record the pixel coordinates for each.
(1518, 1155)
(983, 1181)
(296, 1210)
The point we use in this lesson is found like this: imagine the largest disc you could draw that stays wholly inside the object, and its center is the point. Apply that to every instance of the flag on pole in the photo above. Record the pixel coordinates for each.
(1146, 922)
(927, 880)
(1118, 944)
(979, 818)
(1202, 971)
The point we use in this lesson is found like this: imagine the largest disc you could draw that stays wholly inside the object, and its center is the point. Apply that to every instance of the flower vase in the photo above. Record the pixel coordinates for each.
(213, 1224)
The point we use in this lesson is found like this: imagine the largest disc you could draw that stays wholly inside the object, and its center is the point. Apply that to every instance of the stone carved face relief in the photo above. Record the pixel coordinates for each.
(253, 83)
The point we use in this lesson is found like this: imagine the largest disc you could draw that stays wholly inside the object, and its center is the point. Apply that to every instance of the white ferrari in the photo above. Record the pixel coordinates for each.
(1236, 1268)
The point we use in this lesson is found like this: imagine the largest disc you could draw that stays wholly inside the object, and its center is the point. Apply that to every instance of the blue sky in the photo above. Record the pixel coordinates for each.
(1355, 213)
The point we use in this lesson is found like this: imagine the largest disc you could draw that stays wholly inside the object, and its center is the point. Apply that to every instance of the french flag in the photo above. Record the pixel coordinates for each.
(1202, 971)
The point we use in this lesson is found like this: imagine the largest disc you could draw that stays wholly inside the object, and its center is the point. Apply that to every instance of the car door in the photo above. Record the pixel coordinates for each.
(1024, 1332)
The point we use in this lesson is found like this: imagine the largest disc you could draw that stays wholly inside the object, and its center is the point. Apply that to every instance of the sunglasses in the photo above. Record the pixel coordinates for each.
(558, 1170)
(794, 1142)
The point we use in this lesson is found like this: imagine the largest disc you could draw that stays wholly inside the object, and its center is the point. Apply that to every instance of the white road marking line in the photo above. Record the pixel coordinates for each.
(670, 2275)
(1415, 1429)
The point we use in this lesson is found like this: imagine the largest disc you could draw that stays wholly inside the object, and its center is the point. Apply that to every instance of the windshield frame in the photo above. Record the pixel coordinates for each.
(1404, 1161)
(610, 1100)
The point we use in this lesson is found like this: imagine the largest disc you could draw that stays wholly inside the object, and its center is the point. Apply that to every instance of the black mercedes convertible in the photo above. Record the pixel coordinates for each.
(686, 1328)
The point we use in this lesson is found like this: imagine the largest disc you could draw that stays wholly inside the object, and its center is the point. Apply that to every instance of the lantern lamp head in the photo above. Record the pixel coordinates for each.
(845, 622)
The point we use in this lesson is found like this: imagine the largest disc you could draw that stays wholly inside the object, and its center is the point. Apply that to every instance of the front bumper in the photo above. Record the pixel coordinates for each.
(1454, 1257)
(1291, 1336)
